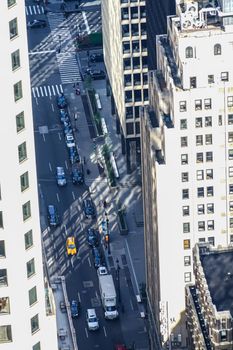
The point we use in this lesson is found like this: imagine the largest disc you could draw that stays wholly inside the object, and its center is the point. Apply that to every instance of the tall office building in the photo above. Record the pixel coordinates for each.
(187, 156)
(156, 20)
(125, 55)
(27, 320)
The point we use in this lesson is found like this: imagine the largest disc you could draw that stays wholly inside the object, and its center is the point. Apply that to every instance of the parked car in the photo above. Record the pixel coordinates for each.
(37, 23)
(77, 174)
(61, 178)
(62, 306)
(74, 308)
(92, 237)
(96, 57)
(73, 156)
(61, 101)
(102, 270)
(88, 208)
(64, 116)
(53, 217)
(97, 257)
(70, 246)
(70, 142)
(96, 74)
(92, 320)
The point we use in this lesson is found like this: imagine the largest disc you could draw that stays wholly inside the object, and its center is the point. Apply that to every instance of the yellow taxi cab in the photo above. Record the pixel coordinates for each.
(70, 246)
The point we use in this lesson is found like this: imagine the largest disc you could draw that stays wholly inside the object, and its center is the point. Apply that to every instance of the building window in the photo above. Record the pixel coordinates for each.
(36, 346)
(208, 139)
(2, 249)
(137, 128)
(30, 268)
(200, 175)
(184, 141)
(230, 154)
(209, 174)
(3, 278)
(230, 171)
(231, 189)
(22, 151)
(211, 79)
(199, 157)
(183, 106)
(210, 225)
(210, 208)
(1, 219)
(34, 323)
(26, 210)
(32, 294)
(230, 136)
(11, 2)
(189, 52)
(128, 96)
(231, 205)
(127, 80)
(185, 193)
(209, 156)
(220, 120)
(125, 30)
(183, 124)
(4, 305)
(184, 159)
(198, 122)
(231, 222)
(28, 239)
(207, 103)
(5, 334)
(18, 92)
(230, 101)
(15, 60)
(217, 49)
(231, 238)
(127, 63)
(13, 27)
(200, 209)
(137, 96)
(224, 76)
(185, 210)
(129, 128)
(129, 112)
(211, 241)
(193, 82)
(20, 125)
(210, 191)
(126, 47)
(184, 177)
(186, 243)
(187, 260)
(186, 227)
(208, 121)
(230, 119)
(198, 105)
(200, 192)
(24, 181)
(199, 140)
(201, 240)
(201, 225)
(187, 277)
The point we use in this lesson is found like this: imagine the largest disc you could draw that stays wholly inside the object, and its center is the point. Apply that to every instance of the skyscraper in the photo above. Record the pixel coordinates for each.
(187, 155)
(125, 55)
(26, 322)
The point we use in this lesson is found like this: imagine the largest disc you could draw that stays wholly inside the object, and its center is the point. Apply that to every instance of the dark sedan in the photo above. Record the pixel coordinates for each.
(88, 208)
(92, 237)
(37, 23)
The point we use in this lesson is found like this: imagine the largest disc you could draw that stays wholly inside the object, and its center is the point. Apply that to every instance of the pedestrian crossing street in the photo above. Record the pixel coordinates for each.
(34, 10)
(47, 90)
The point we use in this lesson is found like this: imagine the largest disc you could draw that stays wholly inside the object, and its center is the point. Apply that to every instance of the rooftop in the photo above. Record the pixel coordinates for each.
(218, 269)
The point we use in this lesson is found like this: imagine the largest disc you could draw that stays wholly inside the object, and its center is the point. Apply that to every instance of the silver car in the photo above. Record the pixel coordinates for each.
(61, 178)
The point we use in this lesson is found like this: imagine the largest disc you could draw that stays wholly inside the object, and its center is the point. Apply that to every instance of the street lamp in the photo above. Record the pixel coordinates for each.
(118, 280)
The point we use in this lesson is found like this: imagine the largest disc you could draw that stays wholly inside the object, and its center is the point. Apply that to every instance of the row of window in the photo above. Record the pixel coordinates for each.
(135, 79)
(136, 95)
(201, 209)
(200, 192)
(133, 29)
(199, 157)
(6, 332)
(134, 46)
(189, 51)
(224, 76)
(197, 104)
(131, 63)
(202, 225)
(209, 174)
(28, 243)
(26, 208)
(133, 12)
(132, 128)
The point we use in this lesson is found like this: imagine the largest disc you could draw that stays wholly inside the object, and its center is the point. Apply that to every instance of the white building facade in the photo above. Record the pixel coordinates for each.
(192, 94)
(26, 321)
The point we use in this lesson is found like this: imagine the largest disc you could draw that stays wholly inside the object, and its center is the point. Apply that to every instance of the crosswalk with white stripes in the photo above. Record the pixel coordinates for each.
(68, 68)
(34, 10)
(47, 90)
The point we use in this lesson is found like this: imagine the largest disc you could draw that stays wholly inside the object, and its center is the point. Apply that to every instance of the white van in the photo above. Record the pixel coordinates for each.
(92, 320)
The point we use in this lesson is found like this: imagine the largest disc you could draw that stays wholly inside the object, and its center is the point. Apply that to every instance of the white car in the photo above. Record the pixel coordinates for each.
(70, 140)
(92, 320)
(61, 178)
(102, 271)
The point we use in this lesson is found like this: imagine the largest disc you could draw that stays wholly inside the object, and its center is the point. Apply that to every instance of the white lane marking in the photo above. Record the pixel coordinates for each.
(34, 9)
(96, 294)
(105, 333)
(89, 261)
(73, 195)
(131, 304)
(52, 105)
(72, 261)
(30, 10)
(54, 93)
(61, 88)
(79, 298)
(59, 135)
(65, 229)
(50, 167)
(41, 90)
(33, 92)
(42, 9)
(37, 91)
(41, 52)
(49, 90)
(36, 101)
(43, 137)
(58, 199)
(66, 164)
(86, 332)
(86, 23)
(26, 10)
(38, 9)
(45, 90)
(57, 88)
(131, 263)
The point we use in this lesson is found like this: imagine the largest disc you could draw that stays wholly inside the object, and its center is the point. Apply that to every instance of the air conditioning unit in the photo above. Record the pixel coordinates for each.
(192, 9)
(187, 21)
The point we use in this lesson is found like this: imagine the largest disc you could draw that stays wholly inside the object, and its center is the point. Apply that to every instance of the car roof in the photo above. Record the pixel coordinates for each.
(91, 312)
(60, 169)
(70, 239)
(51, 208)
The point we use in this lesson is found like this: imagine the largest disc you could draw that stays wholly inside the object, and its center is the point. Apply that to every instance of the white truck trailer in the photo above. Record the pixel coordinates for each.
(108, 296)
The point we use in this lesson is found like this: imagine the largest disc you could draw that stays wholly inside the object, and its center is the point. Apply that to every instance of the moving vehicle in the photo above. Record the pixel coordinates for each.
(70, 140)
(73, 156)
(108, 296)
(102, 270)
(92, 320)
(74, 309)
(37, 23)
(96, 74)
(70, 246)
(96, 57)
(97, 257)
(61, 179)
(61, 101)
(88, 208)
(77, 173)
(92, 237)
(64, 116)
(53, 217)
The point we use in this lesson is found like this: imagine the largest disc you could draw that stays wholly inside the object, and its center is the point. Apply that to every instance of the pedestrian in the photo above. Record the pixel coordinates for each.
(77, 91)
(105, 204)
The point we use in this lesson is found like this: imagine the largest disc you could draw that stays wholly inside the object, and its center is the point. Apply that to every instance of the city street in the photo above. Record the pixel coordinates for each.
(54, 69)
